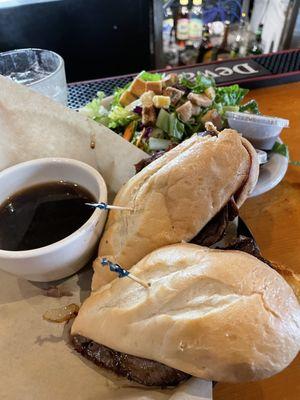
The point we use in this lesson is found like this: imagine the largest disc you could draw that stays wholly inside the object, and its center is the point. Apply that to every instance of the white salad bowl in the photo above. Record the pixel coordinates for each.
(65, 257)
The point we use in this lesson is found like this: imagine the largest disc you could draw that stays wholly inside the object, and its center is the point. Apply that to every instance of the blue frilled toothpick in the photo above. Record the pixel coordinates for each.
(122, 273)
(106, 207)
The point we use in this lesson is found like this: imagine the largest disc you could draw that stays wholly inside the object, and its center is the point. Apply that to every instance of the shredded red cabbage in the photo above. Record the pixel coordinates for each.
(137, 110)
(147, 132)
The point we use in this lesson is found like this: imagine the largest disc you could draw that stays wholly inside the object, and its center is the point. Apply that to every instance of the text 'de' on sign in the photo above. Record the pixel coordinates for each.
(233, 70)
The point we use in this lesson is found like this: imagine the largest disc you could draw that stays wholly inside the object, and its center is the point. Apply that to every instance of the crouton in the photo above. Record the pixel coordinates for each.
(210, 92)
(195, 109)
(161, 101)
(174, 94)
(185, 111)
(148, 115)
(127, 98)
(170, 80)
(155, 86)
(138, 87)
(147, 98)
(200, 99)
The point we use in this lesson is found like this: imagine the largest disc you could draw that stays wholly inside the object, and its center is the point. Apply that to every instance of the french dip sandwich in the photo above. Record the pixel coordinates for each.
(188, 194)
(220, 315)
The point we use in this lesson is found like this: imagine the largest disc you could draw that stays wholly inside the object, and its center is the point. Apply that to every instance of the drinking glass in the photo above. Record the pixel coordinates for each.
(41, 70)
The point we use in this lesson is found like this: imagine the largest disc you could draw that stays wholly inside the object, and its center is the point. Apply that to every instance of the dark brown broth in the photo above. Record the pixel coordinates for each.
(43, 214)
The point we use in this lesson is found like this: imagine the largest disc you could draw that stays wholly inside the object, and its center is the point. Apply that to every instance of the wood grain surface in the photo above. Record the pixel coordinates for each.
(274, 219)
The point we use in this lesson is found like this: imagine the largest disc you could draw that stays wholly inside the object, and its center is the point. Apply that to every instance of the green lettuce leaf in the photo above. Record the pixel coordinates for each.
(251, 107)
(117, 93)
(149, 77)
(119, 116)
(162, 121)
(176, 128)
(170, 124)
(95, 110)
(230, 95)
(196, 84)
(193, 127)
(281, 148)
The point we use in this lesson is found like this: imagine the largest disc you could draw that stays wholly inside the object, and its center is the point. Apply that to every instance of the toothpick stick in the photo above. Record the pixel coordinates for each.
(140, 281)
(123, 272)
(105, 206)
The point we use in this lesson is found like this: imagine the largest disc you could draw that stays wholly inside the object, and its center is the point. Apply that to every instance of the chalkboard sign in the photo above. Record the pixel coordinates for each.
(233, 70)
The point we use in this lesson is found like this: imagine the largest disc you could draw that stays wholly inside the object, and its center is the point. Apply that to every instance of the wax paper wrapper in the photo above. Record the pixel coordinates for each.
(34, 126)
(37, 360)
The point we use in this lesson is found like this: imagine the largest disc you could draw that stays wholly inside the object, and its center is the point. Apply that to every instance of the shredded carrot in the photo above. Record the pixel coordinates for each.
(129, 131)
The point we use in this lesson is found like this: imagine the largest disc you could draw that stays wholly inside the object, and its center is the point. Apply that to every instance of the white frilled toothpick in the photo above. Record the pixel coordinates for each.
(106, 207)
(122, 273)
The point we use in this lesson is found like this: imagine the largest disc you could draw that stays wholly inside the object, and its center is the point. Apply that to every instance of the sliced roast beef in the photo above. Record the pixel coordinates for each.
(146, 161)
(214, 230)
(248, 245)
(140, 370)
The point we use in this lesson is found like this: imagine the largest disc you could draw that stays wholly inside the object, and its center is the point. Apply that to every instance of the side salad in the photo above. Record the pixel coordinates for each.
(157, 111)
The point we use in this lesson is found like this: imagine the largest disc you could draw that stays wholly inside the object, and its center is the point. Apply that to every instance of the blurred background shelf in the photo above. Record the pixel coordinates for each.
(99, 38)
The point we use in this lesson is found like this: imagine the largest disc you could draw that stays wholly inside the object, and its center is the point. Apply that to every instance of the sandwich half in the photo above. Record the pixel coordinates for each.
(220, 315)
(178, 196)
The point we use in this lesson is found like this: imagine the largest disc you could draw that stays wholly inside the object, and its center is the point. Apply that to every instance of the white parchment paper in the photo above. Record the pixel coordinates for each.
(37, 361)
(33, 126)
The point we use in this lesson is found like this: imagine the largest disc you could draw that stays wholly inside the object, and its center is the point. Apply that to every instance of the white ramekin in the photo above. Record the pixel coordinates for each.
(68, 255)
(261, 130)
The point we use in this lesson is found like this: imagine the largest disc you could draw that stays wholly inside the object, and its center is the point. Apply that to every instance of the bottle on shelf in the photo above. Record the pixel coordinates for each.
(257, 47)
(205, 49)
(182, 24)
(195, 23)
(238, 48)
(168, 24)
(172, 53)
(222, 52)
(188, 55)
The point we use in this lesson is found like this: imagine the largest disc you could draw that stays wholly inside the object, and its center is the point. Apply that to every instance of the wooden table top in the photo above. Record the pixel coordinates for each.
(274, 219)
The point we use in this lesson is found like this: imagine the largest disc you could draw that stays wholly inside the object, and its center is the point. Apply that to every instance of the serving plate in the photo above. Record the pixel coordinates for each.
(271, 173)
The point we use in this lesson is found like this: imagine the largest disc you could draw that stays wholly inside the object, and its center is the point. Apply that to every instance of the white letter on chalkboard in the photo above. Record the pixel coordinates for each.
(244, 69)
(224, 71)
(208, 73)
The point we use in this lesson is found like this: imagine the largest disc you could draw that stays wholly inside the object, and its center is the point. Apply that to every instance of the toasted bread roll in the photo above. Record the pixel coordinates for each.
(175, 196)
(292, 279)
(221, 315)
